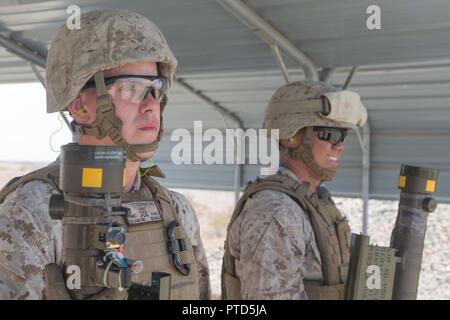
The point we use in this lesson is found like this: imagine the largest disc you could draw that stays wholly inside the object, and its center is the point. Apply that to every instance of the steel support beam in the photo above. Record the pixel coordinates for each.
(280, 62)
(34, 58)
(22, 51)
(270, 35)
(224, 113)
(208, 101)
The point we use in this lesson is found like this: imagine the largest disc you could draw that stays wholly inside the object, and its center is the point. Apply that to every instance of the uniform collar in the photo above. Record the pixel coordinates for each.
(286, 172)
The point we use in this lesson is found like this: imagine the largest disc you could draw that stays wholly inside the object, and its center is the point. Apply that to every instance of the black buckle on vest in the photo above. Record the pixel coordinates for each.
(175, 246)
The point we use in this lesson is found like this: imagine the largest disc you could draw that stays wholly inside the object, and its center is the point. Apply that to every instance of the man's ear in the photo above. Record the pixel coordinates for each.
(292, 142)
(77, 110)
(284, 143)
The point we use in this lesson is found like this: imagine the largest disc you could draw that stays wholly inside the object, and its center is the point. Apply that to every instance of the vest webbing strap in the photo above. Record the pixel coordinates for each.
(275, 183)
(329, 229)
(167, 209)
(48, 174)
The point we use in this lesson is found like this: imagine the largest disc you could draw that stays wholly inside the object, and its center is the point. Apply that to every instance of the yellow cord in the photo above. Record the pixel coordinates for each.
(143, 174)
(152, 164)
(51, 136)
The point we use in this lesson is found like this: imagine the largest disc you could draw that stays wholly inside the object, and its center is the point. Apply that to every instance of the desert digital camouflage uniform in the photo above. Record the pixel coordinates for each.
(30, 239)
(285, 241)
(273, 243)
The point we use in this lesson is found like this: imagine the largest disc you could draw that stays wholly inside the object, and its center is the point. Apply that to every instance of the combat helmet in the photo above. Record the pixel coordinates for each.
(105, 40)
(306, 104)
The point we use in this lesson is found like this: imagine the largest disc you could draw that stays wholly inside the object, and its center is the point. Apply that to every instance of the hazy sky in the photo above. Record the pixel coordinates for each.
(25, 126)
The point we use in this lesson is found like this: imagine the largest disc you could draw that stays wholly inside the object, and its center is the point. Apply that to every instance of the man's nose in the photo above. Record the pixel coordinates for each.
(339, 146)
(149, 104)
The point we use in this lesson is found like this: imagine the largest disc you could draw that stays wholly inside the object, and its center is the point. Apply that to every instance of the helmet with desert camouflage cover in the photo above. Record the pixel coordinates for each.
(105, 40)
(305, 104)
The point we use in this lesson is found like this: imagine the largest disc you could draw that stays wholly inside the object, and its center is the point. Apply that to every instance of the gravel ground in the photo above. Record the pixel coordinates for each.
(434, 280)
(215, 207)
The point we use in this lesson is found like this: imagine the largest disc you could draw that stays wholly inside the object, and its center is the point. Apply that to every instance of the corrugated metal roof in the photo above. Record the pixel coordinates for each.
(206, 38)
(404, 78)
(409, 113)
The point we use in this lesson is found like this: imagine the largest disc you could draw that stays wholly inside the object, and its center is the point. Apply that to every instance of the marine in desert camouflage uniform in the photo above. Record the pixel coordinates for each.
(117, 42)
(277, 239)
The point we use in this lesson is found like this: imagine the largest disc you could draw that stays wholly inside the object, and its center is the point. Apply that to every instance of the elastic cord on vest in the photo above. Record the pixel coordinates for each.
(304, 153)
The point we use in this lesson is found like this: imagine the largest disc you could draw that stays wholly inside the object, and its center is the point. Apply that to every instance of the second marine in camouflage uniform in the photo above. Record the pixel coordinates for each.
(286, 239)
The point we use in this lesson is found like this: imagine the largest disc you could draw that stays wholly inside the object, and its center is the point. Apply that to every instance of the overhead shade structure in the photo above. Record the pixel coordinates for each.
(229, 66)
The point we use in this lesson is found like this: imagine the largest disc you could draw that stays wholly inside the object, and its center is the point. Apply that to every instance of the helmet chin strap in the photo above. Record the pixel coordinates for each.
(107, 123)
(304, 153)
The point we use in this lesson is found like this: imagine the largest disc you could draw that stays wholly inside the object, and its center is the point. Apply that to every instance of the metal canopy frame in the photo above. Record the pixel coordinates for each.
(270, 35)
(276, 41)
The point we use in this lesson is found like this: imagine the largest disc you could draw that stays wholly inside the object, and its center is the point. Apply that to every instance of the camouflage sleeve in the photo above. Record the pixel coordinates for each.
(269, 241)
(189, 220)
(29, 240)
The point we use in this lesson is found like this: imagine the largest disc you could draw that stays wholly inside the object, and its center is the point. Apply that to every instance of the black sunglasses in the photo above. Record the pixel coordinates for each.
(331, 135)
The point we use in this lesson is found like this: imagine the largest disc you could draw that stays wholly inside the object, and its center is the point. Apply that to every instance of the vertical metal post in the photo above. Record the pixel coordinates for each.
(366, 177)
(365, 147)
(237, 181)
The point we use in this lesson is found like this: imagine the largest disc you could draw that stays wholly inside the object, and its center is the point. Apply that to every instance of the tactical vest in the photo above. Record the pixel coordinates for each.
(144, 241)
(330, 231)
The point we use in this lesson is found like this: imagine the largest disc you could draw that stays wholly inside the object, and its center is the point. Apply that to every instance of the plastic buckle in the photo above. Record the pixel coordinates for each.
(104, 103)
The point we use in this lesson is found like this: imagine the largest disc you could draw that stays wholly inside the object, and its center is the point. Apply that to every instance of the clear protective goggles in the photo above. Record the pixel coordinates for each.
(134, 89)
(331, 135)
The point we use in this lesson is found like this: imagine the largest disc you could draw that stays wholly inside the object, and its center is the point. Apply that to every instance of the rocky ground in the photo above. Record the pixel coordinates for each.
(215, 207)
(214, 210)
